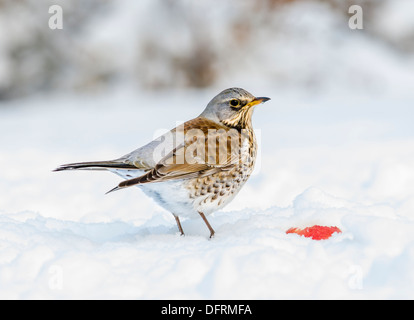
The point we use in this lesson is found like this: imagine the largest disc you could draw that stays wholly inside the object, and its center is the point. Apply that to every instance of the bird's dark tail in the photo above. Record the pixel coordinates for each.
(96, 165)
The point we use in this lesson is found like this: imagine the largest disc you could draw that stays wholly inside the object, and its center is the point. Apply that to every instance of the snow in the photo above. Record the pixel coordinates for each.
(61, 237)
(335, 152)
(372, 258)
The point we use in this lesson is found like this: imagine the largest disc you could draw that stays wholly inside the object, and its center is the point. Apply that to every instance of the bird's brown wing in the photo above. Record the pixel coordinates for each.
(208, 148)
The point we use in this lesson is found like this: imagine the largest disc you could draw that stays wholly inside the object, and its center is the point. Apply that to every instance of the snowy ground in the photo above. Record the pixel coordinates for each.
(351, 165)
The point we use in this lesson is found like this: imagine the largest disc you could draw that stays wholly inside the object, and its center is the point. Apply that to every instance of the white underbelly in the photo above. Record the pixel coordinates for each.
(171, 195)
(174, 196)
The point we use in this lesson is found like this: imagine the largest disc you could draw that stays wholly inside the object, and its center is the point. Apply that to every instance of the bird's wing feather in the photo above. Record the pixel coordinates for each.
(120, 164)
(208, 149)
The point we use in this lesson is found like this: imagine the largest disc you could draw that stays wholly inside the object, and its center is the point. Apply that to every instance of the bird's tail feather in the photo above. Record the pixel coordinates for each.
(96, 165)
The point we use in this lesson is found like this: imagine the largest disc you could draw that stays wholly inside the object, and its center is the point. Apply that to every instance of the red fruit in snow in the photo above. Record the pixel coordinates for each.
(315, 232)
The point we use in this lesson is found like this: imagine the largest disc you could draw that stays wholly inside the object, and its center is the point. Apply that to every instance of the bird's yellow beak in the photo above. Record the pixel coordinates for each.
(257, 100)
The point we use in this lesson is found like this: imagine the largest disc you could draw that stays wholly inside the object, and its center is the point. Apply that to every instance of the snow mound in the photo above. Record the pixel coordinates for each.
(251, 256)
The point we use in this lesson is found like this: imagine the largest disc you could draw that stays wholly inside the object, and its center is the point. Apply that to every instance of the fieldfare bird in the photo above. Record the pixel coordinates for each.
(197, 167)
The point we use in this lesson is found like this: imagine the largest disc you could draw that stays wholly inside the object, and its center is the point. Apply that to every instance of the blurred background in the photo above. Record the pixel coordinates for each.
(180, 44)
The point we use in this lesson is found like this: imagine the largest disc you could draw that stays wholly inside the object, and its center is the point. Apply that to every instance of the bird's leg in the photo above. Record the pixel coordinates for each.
(208, 224)
(180, 228)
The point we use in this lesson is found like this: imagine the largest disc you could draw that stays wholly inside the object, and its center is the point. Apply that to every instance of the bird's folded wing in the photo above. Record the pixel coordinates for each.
(200, 155)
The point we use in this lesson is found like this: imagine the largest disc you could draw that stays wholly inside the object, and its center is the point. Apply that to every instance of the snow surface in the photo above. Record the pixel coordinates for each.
(61, 237)
(341, 153)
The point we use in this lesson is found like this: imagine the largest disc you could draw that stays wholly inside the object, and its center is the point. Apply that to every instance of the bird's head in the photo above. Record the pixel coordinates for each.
(233, 107)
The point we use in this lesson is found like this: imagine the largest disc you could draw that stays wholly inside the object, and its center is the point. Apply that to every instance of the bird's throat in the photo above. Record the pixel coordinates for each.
(241, 120)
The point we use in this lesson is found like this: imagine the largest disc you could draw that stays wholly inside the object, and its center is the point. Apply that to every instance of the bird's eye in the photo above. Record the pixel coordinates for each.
(234, 102)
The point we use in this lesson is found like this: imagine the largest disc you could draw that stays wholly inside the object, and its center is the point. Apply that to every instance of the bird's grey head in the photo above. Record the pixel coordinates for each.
(233, 107)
